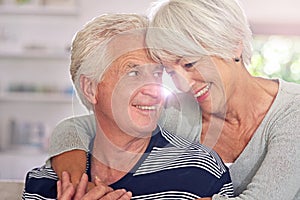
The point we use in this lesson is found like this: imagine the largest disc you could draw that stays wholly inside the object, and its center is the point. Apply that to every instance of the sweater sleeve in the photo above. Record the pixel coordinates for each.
(278, 177)
(72, 133)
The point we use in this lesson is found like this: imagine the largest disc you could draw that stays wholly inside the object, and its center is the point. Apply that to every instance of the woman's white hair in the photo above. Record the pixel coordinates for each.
(194, 27)
(89, 52)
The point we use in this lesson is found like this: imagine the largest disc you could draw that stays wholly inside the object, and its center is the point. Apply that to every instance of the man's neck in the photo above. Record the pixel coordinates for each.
(115, 155)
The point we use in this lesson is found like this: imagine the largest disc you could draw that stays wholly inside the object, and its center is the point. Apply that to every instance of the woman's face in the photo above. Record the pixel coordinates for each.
(209, 79)
(130, 94)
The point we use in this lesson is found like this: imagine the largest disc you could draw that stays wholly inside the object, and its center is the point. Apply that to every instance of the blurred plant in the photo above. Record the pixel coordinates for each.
(276, 57)
(22, 1)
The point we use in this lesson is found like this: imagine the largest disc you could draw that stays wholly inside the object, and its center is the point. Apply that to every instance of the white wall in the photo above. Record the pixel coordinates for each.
(273, 16)
(265, 16)
(273, 11)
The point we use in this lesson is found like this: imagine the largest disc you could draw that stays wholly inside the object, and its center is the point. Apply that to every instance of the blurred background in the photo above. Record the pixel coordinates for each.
(35, 88)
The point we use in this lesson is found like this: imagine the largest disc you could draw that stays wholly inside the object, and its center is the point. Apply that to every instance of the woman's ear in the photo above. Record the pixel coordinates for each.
(239, 50)
(88, 88)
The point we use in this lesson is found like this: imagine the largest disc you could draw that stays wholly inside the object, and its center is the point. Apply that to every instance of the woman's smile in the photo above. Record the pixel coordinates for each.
(203, 93)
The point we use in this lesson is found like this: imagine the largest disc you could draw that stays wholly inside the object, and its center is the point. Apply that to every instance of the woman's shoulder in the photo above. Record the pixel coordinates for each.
(289, 88)
(284, 114)
(287, 99)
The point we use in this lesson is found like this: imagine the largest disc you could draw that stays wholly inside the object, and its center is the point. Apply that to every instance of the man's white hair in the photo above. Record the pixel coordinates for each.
(89, 52)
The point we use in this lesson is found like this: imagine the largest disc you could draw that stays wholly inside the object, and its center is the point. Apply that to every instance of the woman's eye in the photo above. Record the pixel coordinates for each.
(133, 73)
(171, 73)
(189, 65)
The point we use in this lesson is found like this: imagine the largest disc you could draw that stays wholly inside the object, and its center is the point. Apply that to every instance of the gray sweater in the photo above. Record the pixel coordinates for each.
(267, 169)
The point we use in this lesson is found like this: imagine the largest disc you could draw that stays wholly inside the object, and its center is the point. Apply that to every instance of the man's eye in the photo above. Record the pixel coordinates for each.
(189, 65)
(158, 74)
(133, 73)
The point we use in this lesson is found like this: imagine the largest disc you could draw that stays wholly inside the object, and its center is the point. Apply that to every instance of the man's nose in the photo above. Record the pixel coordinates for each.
(153, 90)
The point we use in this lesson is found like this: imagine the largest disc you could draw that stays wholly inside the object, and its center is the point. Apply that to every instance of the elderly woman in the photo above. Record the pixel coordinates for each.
(116, 79)
(252, 122)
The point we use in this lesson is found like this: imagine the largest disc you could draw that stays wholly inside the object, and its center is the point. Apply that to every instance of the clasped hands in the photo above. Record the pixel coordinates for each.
(99, 191)
(90, 191)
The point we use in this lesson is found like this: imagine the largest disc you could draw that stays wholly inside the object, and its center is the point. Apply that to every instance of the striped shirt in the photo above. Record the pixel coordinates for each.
(171, 168)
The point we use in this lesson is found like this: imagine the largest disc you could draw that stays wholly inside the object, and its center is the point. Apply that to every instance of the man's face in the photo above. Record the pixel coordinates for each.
(130, 94)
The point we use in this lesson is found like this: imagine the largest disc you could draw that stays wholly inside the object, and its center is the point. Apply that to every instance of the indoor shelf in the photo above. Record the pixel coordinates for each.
(35, 97)
(37, 10)
(33, 55)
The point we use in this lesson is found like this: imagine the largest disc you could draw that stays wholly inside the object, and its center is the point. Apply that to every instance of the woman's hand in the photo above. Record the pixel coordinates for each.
(66, 190)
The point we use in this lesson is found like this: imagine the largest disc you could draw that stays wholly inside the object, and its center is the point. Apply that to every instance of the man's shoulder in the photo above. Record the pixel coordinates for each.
(181, 153)
(40, 183)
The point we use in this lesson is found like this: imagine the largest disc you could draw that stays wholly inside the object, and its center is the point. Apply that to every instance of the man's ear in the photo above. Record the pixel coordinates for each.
(88, 88)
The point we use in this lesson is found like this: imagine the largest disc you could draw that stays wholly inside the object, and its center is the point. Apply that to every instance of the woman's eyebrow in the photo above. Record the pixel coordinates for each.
(160, 66)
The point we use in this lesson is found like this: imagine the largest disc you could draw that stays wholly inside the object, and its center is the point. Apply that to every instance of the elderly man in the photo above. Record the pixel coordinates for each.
(131, 155)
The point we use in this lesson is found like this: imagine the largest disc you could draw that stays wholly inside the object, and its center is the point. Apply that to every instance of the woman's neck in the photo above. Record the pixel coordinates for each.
(229, 134)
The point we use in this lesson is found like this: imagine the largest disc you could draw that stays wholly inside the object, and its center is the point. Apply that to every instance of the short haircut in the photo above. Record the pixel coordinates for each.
(93, 39)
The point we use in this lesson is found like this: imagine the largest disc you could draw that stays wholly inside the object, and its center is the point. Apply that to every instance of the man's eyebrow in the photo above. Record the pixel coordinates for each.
(131, 65)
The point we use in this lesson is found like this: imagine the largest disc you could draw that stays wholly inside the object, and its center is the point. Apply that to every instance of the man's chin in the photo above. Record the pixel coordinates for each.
(144, 130)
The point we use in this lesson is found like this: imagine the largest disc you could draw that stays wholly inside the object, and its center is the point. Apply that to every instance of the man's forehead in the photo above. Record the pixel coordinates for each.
(126, 42)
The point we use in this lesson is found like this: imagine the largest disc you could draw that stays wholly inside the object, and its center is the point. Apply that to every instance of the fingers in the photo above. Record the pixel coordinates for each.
(126, 196)
(82, 187)
(120, 194)
(104, 192)
(90, 186)
(97, 192)
(101, 194)
(65, 189)
(59, 189)
(98, 181)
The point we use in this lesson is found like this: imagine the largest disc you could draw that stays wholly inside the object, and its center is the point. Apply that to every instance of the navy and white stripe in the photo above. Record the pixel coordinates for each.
(43, 172)
(169, 195)
(171, 168)
(172, 158)
(34, 197)
(226, 190)
(183, 143)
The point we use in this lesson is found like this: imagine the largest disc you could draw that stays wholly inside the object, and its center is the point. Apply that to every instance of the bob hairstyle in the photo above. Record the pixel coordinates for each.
(193, 28)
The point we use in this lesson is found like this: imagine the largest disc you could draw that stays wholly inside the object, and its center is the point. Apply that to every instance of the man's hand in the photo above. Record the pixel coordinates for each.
(66, 190)
(103, 192)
